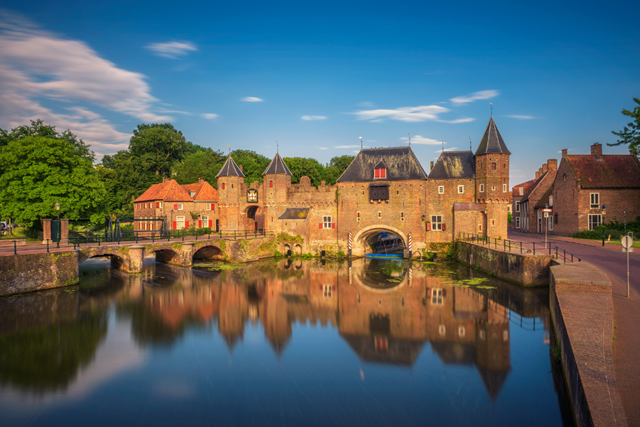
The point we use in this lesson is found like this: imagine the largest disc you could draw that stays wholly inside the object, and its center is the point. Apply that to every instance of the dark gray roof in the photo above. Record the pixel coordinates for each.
(277, 166)
(295, 213)
(230, 169)
(454, 164)
(401, 164)
(492, 141)
(402, 352)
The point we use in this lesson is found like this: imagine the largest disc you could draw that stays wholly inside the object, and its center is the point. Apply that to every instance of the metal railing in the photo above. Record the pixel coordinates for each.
(523, 248)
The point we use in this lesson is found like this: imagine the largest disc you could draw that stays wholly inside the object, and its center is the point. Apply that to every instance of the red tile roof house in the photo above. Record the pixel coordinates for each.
(174, 203)
(531, 217)
(586, 183)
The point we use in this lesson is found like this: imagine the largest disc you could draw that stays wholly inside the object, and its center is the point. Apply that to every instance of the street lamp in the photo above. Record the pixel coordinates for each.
(604, 212)
(59, 228)
(58, 210)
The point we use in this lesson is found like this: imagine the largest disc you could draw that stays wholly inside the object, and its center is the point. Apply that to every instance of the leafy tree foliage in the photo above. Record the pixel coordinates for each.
(253, 164)
(631, 133)
(38, 171)
(204, 164)
(300, 166)
(158, 146)
(337, 166)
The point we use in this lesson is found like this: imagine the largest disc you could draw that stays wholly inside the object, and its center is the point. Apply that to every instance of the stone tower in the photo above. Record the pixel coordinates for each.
(230, 180)
(492, 181)
(276, 184)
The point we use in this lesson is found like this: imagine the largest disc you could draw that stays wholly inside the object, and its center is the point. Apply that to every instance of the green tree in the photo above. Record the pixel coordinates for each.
(300, 166)
(158, 146)
(253, 164)
(337, 166)
(631, 133)
(204, 164)
(40, 171)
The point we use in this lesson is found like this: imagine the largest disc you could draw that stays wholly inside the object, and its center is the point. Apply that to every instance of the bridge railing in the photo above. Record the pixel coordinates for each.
(523, 248)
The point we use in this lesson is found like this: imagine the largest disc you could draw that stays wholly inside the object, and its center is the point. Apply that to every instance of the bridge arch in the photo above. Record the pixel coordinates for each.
(362, 237)
(118, 260)
(207, 252)
(165, 255)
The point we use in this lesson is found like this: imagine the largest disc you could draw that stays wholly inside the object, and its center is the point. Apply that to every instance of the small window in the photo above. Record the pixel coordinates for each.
(595, 200)
(594, 221)
(178, 206)
(550, 200)
(461, 331)
(483, 334)
(179, 222)
(436, 222)
(521, 191)
(493, 166)
(460, 189)
(493, 222)
(564, 176)
(517, 222)
(326, 222)
(504, 188)
(482, 188)
(479, 227)
(231, 185)
(358, 217)
(436, 296)
(517, 206)
(208, 206)
(493, 188)
(441, 189)
(442, 329)
(401, 216)
(379, 214)
(556, 218)
(380, 173)
(270, 184)
(326, 291)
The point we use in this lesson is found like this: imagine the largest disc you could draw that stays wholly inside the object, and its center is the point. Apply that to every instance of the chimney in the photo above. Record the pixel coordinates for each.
(537, 174)
(596, 150)
(552, 164)
(564, 152)
(544, 168)
(164, 179)
(322, 183)
(431, 165)
(241, 168)
(200, 180)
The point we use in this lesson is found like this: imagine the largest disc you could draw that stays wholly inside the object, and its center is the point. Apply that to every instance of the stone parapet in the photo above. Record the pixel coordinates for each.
(33, 272)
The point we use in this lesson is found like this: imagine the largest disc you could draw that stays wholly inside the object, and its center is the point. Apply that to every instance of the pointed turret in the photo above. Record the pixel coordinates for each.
(230, 168)
(492, 142)
(277, 166)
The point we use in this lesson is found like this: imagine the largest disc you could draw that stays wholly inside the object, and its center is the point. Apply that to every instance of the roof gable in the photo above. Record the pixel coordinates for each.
(401, 164)
(454, 164)
(277, 166)
(230, 168)
(609, 171)
(492, 141)
(168, 191)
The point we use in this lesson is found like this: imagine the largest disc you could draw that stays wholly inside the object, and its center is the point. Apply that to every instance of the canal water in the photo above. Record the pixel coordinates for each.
(313, 343)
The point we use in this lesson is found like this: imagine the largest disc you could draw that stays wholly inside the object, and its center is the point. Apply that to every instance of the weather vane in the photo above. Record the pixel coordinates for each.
(409, 139)
(277, 148)
(491, 103)
(470, 149)
(361, 143)
(441, 139)
(229, 145)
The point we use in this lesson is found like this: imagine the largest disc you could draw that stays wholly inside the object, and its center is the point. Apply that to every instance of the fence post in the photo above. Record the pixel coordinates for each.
(565, 255)
(135, 236)
(183, 234)
(571, 257)
(47, 245)
(504, 244)
(556, 252)
(98, 240)
(534, 248)
(15, 248)
(196, 234)
(549, 249)
(520, 248)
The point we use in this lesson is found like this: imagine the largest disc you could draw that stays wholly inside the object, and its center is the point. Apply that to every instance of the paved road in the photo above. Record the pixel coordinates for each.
(613, 261)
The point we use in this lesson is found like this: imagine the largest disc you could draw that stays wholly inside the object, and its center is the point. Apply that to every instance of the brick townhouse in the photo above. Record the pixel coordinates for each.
(587, 182)
(527, 210)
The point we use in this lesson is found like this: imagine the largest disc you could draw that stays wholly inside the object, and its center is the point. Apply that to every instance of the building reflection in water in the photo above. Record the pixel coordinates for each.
(386, 312)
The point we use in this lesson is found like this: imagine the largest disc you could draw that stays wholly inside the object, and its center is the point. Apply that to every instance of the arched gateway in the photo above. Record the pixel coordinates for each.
(363, 238)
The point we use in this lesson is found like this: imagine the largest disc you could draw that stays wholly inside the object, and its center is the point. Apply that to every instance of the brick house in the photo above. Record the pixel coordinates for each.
(531, 215)
(517, 195)
(586, 183)
(382, 190)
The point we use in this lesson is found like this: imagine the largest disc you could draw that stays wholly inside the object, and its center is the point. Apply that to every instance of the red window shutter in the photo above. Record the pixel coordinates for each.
(175, 225)
(157, 204)
(444, 293)
(210, 223)
(334, 288)
(428, 292)
(186, 224)
(428, 227)
(377, 173)
(321, 288)
(320, 225)
(383, 173)
(223, 185)
(270, 184)
(175, 207)
(199, 223)
(444, 227)
(333, 225)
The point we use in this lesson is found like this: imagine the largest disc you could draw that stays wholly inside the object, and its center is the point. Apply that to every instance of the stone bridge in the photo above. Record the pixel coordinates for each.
(129, 258)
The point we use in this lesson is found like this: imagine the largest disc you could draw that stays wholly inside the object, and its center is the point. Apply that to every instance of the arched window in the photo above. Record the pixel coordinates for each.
(493, 166)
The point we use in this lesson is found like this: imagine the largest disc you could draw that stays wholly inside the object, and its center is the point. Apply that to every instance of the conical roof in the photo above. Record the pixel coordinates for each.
(492, 141)
(277, 166)
(230, 169)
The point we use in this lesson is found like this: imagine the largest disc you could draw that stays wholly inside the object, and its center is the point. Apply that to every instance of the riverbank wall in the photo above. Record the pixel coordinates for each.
(525, 270)
(34, 272)
(581, 308)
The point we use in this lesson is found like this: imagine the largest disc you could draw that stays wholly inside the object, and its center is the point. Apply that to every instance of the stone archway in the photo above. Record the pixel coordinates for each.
(208, 252)
(360, 244)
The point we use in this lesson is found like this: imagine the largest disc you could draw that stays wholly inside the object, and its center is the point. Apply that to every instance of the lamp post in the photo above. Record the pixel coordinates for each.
(58, 212)
(546, 220)
(604, 212)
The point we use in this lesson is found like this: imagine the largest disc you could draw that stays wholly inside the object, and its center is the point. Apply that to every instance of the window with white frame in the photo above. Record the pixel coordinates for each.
(205, 221)
(504, 188)
(595, 200)
(461, 331)
(440, 189)
(550, 222)
(482, 188)
(517, 206)
(436, 296)
(436, 222)
(326, 222)
(460, 189)
(326, 291)
(522, 191)
(179, 222)
(517, 222)
(594, 221)
(550, 200)
(207, 206)
(442, 329)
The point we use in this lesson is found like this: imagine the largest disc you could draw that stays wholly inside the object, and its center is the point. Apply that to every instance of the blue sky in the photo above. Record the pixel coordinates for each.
(316, 76)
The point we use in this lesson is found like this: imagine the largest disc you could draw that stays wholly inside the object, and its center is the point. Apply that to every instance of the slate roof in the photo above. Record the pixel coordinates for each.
(544, 199)
(295, 213)
(168, 191)
(203, 190)
(611, 171)
(454, 164)
(401, 164)
(230, 168)
(277, 166)
(492, 141)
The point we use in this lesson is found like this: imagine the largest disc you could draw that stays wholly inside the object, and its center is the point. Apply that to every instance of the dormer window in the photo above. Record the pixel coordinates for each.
(380, 173)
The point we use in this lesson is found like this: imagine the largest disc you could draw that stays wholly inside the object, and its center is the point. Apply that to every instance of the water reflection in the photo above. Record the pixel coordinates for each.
(387, 313)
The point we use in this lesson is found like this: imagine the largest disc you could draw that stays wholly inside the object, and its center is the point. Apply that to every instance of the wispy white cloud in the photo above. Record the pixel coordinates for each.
(322, 148)
(37, 65)
(463, 120)
(483, 94)
(446, 149)
(404, 114)
(172, 50)
(419, 139)
(308, 118)
(252, 99)
(210, 116)
(515, 116)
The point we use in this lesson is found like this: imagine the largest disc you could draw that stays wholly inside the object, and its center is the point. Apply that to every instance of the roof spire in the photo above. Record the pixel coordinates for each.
(492, 141)
(229, 145)
(409, 139)
(491, 103)
(442, 144)
(470, 149)
(277, 147)
(361, 143)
